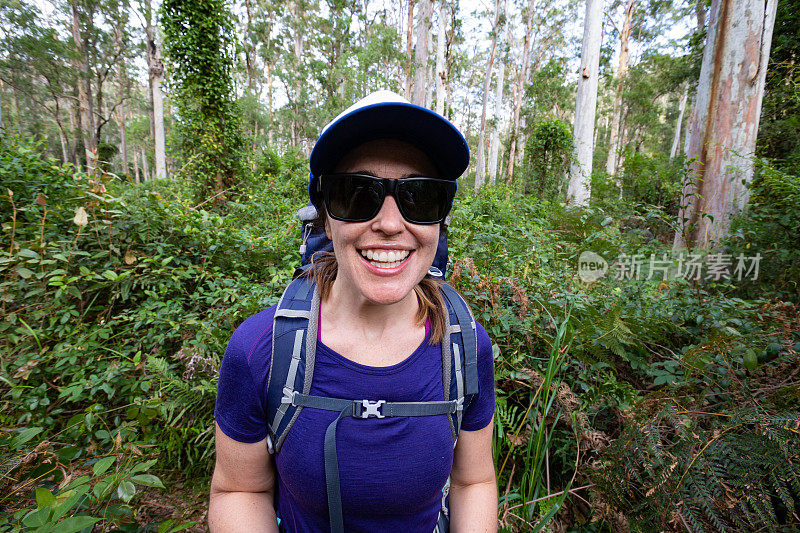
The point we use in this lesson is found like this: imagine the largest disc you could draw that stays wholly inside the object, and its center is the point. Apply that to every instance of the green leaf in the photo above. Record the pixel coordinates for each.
(30, 254)
(138, 467)
(126, 491)
(149, 480)
(44, 498)
(103, 464)
(73, 524)
(24, 273)
(26, 435)
(181, 527)
(110, 275)
(750, 360)
(37, 518)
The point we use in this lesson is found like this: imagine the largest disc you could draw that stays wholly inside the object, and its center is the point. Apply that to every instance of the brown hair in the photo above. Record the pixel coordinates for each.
(431, 305)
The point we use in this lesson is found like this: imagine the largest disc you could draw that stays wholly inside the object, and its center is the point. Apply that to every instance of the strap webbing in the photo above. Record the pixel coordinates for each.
(356, 409)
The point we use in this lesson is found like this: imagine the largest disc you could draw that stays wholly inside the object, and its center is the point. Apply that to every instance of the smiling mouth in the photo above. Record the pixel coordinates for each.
(385, 258)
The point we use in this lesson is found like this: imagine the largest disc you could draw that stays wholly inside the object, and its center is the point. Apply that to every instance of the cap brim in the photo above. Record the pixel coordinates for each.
(421, 127)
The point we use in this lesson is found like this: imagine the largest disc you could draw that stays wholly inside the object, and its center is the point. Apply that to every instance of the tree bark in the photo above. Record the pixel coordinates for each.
(83, 82)
(156, 72)
(480, 167)
(145, 165)
(700, 14)
(622, 72)
(725, 124)
(676, 139)
(494, 149)
(430, 74)
(421, 53)
(136, 167)
(409, 49)
(519, 89)
(123, 112)
(441, 72)
(586, 105)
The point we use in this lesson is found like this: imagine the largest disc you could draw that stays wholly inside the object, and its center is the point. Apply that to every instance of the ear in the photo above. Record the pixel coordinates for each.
(328, 228)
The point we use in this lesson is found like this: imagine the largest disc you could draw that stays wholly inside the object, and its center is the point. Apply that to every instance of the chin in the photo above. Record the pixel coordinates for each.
(387, 294)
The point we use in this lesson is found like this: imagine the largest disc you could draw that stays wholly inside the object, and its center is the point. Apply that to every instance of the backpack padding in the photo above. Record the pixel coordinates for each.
(469, 337)
(295, 325)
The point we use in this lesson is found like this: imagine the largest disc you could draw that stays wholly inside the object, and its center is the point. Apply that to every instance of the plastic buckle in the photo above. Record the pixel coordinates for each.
(371, 409)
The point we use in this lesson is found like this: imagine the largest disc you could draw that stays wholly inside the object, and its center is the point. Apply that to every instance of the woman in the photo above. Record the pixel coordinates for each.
(381, 323)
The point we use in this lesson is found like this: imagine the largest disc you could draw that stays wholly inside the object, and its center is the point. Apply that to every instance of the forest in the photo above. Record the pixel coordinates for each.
(627, 232)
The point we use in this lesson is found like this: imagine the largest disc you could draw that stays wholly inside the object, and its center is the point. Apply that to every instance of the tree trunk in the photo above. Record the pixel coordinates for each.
(156, 72)
(17, 114)
(421, 53)
(123, 112)
(441, 73)
(494, 151)
(145, 166)
(676, 139)
(725, 123)
(519, 89)
(580, 171)
(622, 71)
(409, 49)
(85, 99)
(700, 13)
(136, 167)
(480, 167)
(430, 75)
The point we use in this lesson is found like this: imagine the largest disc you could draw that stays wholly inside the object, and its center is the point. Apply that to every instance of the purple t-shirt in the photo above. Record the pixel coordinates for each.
(391, 470)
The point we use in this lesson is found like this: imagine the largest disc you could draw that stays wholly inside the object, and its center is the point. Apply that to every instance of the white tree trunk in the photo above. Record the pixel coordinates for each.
(519, 89)
(725, 123)
(145, 166)
(586, 105)
(156, 72)
(430, 75)
(676, 139)
(622, 71)
(480, 167)
(409, 49)
(441, 72)
(498, 111)
(420, 88)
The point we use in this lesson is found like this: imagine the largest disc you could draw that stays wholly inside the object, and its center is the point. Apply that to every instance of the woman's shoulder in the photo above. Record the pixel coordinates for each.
(253, 337)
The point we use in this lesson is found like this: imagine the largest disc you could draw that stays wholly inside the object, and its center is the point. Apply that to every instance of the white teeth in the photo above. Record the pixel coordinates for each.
(384, 259)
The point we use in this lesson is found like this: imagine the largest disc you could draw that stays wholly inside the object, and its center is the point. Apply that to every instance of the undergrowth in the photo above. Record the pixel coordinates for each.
(623, 403)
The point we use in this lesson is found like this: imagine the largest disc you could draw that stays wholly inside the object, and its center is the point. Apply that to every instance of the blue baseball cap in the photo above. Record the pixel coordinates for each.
(386, 115)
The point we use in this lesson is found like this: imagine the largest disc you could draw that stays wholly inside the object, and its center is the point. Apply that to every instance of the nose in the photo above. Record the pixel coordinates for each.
(388, 220)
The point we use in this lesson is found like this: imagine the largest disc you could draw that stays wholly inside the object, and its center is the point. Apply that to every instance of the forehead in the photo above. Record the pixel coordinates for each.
(389, 158)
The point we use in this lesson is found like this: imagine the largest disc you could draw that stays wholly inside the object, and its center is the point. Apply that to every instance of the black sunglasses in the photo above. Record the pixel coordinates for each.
(359, 197)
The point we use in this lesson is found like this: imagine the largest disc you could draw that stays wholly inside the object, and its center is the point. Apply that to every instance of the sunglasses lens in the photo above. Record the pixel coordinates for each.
(354, 198)
(423, 201)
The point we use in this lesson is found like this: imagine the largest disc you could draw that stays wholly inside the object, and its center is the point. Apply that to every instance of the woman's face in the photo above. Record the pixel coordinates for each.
(383, 259)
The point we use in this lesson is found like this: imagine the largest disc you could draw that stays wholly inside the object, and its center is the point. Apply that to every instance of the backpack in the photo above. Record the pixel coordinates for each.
(291, 372)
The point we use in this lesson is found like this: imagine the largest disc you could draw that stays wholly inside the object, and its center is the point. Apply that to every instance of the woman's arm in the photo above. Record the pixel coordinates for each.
(242, 488)
(473, 485)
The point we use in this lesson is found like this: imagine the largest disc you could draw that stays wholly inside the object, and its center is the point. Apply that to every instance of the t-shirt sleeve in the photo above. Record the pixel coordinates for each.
(480, 411)
(240, 409)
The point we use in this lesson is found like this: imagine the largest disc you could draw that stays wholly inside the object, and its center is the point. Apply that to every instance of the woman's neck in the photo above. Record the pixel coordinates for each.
(368, 333)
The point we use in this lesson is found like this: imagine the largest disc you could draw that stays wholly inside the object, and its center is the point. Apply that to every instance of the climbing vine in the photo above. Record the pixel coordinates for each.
(198, 41)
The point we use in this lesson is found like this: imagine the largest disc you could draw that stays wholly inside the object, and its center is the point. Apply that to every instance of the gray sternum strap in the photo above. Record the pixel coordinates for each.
(358, 409)
(373, 409)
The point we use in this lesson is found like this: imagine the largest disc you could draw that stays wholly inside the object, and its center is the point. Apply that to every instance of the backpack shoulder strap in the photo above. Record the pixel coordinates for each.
(294, 343)
(459, 355)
